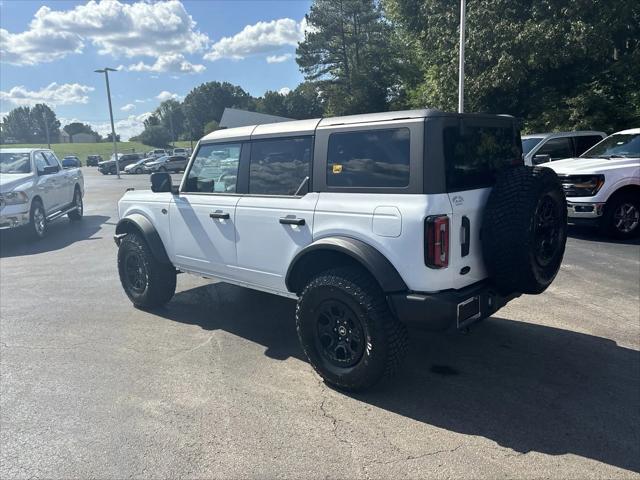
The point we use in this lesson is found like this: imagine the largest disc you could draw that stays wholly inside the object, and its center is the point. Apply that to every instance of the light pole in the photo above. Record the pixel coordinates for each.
(106, 71)
(461, 66)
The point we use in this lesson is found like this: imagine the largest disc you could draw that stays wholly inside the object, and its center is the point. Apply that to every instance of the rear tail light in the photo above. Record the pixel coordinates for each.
(436, 236)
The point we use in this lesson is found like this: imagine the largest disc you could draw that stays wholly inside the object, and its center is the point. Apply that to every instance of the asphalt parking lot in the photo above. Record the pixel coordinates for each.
(215, 384)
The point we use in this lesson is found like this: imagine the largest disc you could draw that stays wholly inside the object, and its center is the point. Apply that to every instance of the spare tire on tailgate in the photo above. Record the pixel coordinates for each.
(524, 229)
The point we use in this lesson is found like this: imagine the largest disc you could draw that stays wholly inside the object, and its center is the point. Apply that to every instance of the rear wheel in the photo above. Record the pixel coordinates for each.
(162, 169)
(37, 220)
(347, 330)
(76, 215)
(147, 282)
(621, 217)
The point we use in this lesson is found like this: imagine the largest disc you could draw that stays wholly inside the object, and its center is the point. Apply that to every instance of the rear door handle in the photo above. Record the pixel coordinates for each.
(222, 215)
(291, 221)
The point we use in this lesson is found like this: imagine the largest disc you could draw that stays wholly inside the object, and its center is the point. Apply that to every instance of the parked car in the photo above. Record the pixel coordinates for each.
(93, 160)
(124, 159)
(167, 164)
(138, 167)
(157, 153)
(603, 185)
(71, 161)
(182, 152)
(35, 190)
(354, 218)
(548, 147)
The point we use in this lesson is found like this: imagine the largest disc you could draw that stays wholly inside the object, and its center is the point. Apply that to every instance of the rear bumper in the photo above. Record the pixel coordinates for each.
(450, 309)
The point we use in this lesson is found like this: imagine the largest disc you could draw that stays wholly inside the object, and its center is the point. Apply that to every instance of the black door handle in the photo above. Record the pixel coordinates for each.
(466, 236)
(291, 221)
(222, 215)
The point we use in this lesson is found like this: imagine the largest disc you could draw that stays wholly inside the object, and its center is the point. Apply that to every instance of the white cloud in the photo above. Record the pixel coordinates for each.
(128, 107)
(126, 127)
(164, 95)
(115, 28)
(52, 94)
(284, 90)
(279, 58)
(175, 63)
(262, 37)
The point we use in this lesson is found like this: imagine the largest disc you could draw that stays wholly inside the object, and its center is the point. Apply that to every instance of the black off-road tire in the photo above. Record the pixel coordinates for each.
(526, 206)
(38, 224)
(160, 283)
(610, 224)
(384, 337)
(76, 215)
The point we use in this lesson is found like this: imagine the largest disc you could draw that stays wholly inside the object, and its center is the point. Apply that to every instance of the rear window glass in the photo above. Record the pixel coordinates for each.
(474, 155)
(369, 158)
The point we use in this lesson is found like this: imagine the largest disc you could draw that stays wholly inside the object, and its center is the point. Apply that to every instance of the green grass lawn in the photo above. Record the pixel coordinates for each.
(81, 150)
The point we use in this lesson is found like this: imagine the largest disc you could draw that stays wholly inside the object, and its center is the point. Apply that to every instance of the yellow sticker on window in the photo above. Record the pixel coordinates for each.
(337, 168)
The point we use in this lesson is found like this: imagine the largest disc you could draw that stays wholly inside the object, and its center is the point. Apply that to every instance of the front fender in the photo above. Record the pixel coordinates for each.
(142, 225)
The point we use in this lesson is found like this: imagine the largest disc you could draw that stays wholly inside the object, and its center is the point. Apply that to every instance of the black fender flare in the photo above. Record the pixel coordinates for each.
(367, 256)
(142, 225)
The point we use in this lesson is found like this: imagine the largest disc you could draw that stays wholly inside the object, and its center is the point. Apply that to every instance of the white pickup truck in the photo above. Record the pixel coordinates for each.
(602, 185)
(35, 189)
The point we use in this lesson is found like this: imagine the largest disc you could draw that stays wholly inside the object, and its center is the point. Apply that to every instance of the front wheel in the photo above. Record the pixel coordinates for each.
(347, 331)
(621, 217)
(37, 220)
(147, 282)
(138, 171)
(162, 169)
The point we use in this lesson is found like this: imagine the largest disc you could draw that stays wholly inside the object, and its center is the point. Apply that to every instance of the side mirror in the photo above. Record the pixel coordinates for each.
(50, 169)
(160, 182)
(538, 159)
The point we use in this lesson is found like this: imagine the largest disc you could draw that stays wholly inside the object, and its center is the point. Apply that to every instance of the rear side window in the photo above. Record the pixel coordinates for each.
(215, 169)
(584, 143)
(474, 155)
(280, 166)
(369, 158)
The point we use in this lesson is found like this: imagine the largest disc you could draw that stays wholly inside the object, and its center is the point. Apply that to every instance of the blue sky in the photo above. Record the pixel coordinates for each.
(49, 50)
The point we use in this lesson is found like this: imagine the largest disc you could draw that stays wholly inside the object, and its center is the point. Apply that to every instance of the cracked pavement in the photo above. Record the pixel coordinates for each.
(215, 384)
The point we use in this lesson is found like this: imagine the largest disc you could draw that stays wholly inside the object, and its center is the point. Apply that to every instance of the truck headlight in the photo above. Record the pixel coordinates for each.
(14, 198)
(582, 185)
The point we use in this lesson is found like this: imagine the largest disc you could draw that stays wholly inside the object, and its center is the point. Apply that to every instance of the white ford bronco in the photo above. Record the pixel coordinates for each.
(372, 222)
(35, 190)
(603, 185)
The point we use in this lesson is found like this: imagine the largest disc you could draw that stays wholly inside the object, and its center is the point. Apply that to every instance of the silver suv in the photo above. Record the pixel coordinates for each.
(372, 222)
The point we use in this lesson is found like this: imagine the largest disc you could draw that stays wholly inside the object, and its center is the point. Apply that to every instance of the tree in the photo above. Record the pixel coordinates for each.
(302, 102)
(151, 121)
(29, 125)
(212, 126)
(207, 102)
(559, 64)
(109, 138)
(349, 51)
(78, 127)
(171, 117)
(44, 123)
(156, 136)
(17, 125)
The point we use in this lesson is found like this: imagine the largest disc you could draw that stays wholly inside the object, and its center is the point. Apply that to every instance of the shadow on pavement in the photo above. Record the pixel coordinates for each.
(527, 387)
(61, 234)
(591, 233)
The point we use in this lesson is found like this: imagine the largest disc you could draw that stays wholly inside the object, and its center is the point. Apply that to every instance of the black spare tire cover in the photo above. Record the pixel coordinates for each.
(524, 229)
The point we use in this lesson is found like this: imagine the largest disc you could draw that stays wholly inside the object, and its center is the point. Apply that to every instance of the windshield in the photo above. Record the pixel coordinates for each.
(529, 143)
(14, 163)
(616, 146)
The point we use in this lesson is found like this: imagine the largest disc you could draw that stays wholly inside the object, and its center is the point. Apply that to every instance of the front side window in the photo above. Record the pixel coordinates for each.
(280, 166)
(529, 143)
(14, 162)
(557, 148)
(475, 154)
(369, 158)
(215, 169)
(40, 161)
(52, 161)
